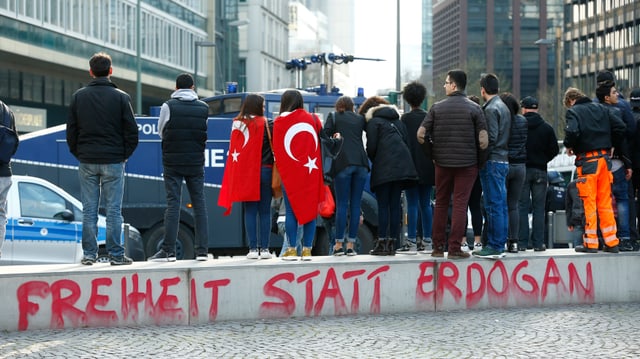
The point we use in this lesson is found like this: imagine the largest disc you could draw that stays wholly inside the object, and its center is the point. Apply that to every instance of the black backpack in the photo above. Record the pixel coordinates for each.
(8, 137)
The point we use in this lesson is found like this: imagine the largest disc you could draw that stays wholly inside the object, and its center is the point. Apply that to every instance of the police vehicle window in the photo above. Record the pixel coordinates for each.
(232, 105)
(38, 201)
(323, 111)
(272, 107)
(215, 107)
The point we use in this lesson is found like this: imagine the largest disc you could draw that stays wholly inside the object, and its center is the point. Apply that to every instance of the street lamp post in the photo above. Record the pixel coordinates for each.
(196, 45)
(557, 44)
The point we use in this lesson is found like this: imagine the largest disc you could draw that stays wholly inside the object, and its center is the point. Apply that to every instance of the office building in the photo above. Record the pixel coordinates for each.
(602, 35)
(497, 36)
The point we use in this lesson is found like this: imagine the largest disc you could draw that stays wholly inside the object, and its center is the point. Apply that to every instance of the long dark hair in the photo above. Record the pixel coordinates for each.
(291, 100)
(253, 105)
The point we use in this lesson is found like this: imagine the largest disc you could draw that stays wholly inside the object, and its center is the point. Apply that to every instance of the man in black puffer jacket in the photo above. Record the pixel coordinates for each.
(457, 129)
(102, 134)
(183, 128)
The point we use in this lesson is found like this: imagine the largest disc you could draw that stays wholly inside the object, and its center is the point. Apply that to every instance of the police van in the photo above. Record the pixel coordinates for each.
(45, 154)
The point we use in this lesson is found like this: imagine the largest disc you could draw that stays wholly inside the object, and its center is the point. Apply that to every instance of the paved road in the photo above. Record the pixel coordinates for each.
(595, 331)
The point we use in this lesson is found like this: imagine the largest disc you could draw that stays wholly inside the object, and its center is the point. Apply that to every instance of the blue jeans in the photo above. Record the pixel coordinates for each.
(291, 225)
(620, 191)
(173, 187)
(515, 181)
(494, 190)
(388, 196)
(534, 196)
(348, 185)
(419, 198)
(576, 236)
(258, 213)
(106, 181)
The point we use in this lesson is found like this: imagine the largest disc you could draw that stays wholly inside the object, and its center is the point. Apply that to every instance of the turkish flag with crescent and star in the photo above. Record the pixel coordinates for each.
(298, 155)
(241, 179)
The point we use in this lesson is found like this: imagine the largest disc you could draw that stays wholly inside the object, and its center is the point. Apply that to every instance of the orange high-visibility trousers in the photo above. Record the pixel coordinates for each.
(594, 188)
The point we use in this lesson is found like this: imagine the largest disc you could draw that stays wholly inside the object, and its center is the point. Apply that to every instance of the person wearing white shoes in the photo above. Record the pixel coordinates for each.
(247, 174)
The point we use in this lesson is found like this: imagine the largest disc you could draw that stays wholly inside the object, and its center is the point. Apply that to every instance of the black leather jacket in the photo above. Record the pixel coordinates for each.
(592, 126)
(498, 119)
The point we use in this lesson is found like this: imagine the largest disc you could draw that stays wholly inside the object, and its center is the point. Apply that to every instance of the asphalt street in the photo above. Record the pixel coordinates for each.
(593, 331)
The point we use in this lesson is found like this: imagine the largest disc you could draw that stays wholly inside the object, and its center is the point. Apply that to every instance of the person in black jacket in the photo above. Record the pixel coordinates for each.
(542, 147)
(591, 131)
(102, 134)
(351, 168)
(182, 125)
(607, 95)
(419, 196)
(634, 102)
(391, 170)
(575, 216)
(517, 168)
(5, 174)
(457, 130)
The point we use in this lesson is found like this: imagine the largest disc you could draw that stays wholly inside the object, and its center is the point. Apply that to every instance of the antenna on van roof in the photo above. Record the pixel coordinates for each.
(324, 59)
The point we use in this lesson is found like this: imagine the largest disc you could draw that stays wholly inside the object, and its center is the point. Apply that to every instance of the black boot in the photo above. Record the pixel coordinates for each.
(380, 248)
(512, 246)
(390, 247)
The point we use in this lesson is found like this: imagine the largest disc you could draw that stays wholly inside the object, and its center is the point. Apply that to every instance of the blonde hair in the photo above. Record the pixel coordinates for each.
(572, 94)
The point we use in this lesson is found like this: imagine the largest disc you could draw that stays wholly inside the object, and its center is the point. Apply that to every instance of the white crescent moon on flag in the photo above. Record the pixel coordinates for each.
(293, 131)
(239, 126)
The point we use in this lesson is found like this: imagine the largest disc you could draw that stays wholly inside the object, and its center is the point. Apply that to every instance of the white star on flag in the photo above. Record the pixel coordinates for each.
(311, 164)
(235, 155)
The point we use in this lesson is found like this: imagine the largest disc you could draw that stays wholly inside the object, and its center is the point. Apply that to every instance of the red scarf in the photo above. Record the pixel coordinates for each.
(241, 180)
(296, 147)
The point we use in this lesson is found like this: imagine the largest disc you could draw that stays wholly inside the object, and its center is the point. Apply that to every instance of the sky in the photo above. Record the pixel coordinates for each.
(375, 37)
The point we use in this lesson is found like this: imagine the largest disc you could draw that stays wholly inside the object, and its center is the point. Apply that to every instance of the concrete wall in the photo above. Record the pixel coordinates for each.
(190, 292)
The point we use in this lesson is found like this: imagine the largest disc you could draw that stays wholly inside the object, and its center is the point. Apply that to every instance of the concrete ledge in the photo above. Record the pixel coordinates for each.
(190, 292)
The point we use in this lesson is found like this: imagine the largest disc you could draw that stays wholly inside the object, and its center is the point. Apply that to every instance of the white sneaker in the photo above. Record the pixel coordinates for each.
(477, 246)
(265, 254)
(465, 246)
(202, 257)
(253, 254)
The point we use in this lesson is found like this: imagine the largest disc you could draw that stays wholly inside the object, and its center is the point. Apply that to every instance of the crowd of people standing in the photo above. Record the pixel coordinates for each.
(464, 155)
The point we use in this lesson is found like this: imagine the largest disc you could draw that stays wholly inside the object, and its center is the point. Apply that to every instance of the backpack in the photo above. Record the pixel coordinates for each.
(8, 137)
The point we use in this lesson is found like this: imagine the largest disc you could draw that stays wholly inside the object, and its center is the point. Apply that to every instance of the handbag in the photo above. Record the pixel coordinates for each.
(327, 207)
(330, 148)
(276, 181)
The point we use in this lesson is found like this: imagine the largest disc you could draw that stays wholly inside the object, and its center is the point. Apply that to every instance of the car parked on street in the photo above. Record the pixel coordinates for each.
(44, 225)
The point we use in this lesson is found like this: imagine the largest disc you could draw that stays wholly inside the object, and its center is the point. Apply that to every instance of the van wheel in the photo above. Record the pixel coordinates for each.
(365, 239)
(103, 256)
(184, 245)
(321, 244)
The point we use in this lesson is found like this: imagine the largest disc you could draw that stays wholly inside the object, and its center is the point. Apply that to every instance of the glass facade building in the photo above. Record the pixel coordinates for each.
(602, 35)
(45, 46)
(496, 36)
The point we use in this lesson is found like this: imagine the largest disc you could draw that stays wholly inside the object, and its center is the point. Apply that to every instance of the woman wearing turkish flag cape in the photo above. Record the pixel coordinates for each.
(296, 147)
(247, 174)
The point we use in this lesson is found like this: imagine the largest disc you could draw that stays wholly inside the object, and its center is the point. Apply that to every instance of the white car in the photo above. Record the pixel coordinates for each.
(44, 225)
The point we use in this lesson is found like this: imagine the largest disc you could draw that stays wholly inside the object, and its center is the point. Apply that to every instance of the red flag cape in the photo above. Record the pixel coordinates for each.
(296, 148)
(241, 179)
